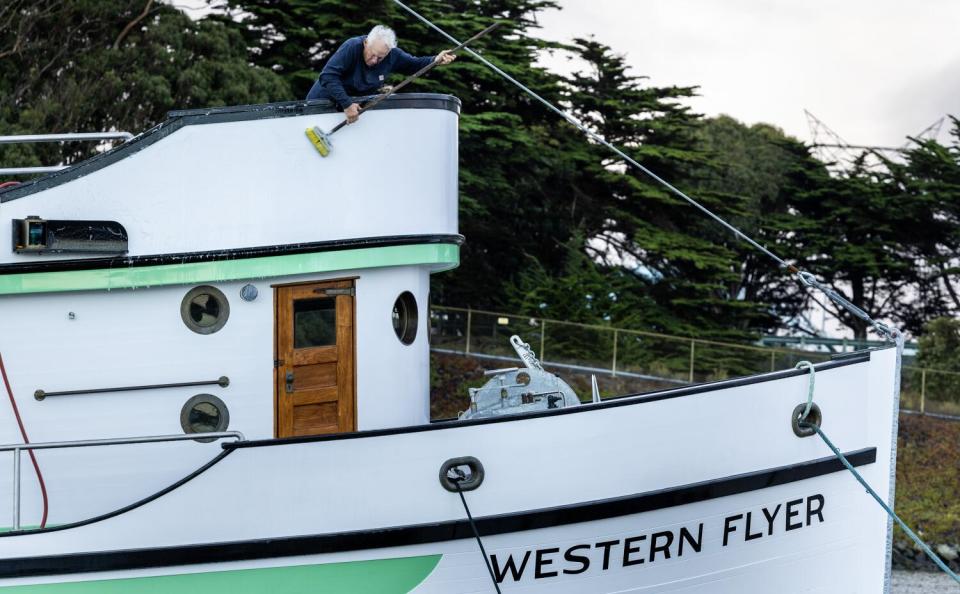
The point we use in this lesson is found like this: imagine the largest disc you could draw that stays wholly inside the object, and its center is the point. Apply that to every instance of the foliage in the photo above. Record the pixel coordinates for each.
(928, 472)
(939, 349)
(643, 235)
(940, 345)
(550, 217)
(850, 239)
(98, 65)
(930, 183)
(751, 172)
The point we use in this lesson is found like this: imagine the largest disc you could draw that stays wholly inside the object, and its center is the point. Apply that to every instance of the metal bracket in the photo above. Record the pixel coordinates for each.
(334, 292)
(453, 469)
(525, 353)
(805, 429)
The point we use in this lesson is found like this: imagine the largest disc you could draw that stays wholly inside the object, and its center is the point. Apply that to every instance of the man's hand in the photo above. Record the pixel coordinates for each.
(352, 112)
(445, 57)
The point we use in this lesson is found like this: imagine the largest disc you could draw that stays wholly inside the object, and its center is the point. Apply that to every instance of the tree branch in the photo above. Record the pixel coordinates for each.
(132, 24)
(945, 277)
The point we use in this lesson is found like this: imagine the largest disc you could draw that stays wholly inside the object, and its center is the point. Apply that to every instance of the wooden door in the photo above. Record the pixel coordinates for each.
(314, 360)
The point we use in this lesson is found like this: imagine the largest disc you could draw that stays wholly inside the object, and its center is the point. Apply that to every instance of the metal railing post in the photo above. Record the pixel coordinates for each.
(543, 347)
(693, 347)
(923, 388)
(16, 489)
(469, 319)
(17, 448)
(773, 360)
(613, 366)
(73, 136)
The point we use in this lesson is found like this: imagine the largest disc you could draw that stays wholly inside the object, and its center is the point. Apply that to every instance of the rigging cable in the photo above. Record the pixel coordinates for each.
(920, 543)
(23, 433)
(806, 278)
(814, 425)
(456, 480)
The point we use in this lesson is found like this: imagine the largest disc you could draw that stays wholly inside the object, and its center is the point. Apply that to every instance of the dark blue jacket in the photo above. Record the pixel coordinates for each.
(346, 74)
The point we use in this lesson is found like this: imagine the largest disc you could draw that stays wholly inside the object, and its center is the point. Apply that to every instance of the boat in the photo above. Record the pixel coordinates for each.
(217, 343)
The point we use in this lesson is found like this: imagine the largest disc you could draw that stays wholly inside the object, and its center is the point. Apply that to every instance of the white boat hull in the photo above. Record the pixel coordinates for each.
(664, 492)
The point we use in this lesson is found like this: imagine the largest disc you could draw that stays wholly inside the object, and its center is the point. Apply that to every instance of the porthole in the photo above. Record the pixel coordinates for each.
(204, 309)
(405, 317)
(204, 413)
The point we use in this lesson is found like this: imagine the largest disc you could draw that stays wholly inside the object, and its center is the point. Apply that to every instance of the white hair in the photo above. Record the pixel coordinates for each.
(384, 34)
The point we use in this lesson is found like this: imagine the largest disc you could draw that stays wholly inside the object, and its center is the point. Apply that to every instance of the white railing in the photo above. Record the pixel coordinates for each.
(17, 448)
(69, 137)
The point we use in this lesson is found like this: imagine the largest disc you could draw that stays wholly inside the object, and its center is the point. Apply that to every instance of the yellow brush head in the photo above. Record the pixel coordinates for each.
(319, 141)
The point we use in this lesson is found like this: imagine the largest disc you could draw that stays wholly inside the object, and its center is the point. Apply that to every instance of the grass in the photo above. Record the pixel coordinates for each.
(928, 478)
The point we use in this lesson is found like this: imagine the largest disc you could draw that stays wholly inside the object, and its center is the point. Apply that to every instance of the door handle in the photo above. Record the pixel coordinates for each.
(289, 382)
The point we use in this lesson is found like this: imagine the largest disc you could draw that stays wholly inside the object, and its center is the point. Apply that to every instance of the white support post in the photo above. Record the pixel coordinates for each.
(16, 489)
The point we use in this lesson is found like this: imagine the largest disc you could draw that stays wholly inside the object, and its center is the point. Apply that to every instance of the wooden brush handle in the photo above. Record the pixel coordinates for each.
(414, 76)
(425, 69)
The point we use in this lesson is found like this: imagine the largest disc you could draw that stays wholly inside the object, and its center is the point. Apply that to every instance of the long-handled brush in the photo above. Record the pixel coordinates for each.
(321, 139)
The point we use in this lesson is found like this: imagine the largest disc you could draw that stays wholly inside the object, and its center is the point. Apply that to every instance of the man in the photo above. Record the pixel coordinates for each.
(361, 65)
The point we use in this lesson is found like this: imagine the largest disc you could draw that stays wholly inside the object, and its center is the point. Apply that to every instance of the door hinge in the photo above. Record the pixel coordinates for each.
(333, 292)
(278, 362)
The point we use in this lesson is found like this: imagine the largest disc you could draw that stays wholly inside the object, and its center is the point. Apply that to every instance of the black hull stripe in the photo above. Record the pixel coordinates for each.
(427, 533)
(234, 254)
(216, 115)
(625, 400)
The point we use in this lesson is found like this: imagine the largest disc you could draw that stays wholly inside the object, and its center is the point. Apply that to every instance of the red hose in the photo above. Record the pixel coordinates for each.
(7, 185)
(23, 432)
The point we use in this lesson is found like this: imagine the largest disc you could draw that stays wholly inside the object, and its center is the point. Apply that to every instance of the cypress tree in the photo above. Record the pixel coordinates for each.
(94, 65)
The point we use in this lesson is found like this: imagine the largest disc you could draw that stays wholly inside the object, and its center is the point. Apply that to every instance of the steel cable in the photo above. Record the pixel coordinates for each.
(805, 277)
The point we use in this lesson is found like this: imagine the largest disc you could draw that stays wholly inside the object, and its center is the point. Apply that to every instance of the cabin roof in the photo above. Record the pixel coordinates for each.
(215, 115)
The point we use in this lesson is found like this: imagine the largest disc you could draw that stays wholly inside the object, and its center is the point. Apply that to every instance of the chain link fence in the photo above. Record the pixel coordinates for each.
(627, 361)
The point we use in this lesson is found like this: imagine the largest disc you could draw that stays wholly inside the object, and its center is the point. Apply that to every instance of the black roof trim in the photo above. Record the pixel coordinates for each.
(295, 108)
(625, 400)
(216, 115)
(218, 255)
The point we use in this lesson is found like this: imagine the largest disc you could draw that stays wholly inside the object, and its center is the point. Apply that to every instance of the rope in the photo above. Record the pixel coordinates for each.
(456, 481)
(813, 376)
(23, 432)
(923, 546)
(805, 277)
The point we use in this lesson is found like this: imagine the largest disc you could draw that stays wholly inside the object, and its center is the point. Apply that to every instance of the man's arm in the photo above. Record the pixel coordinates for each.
(340, 63)
(406, 64)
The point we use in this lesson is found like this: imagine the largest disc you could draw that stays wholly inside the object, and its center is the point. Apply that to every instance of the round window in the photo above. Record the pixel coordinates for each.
(204, 413)
(405, 317)
(204, 309)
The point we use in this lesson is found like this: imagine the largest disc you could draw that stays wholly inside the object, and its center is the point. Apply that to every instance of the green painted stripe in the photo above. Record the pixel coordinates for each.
(380, 576)
(30, 527)
(439, 256)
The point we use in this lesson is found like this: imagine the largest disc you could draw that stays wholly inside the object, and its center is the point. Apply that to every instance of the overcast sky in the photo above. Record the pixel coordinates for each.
(874, 71)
